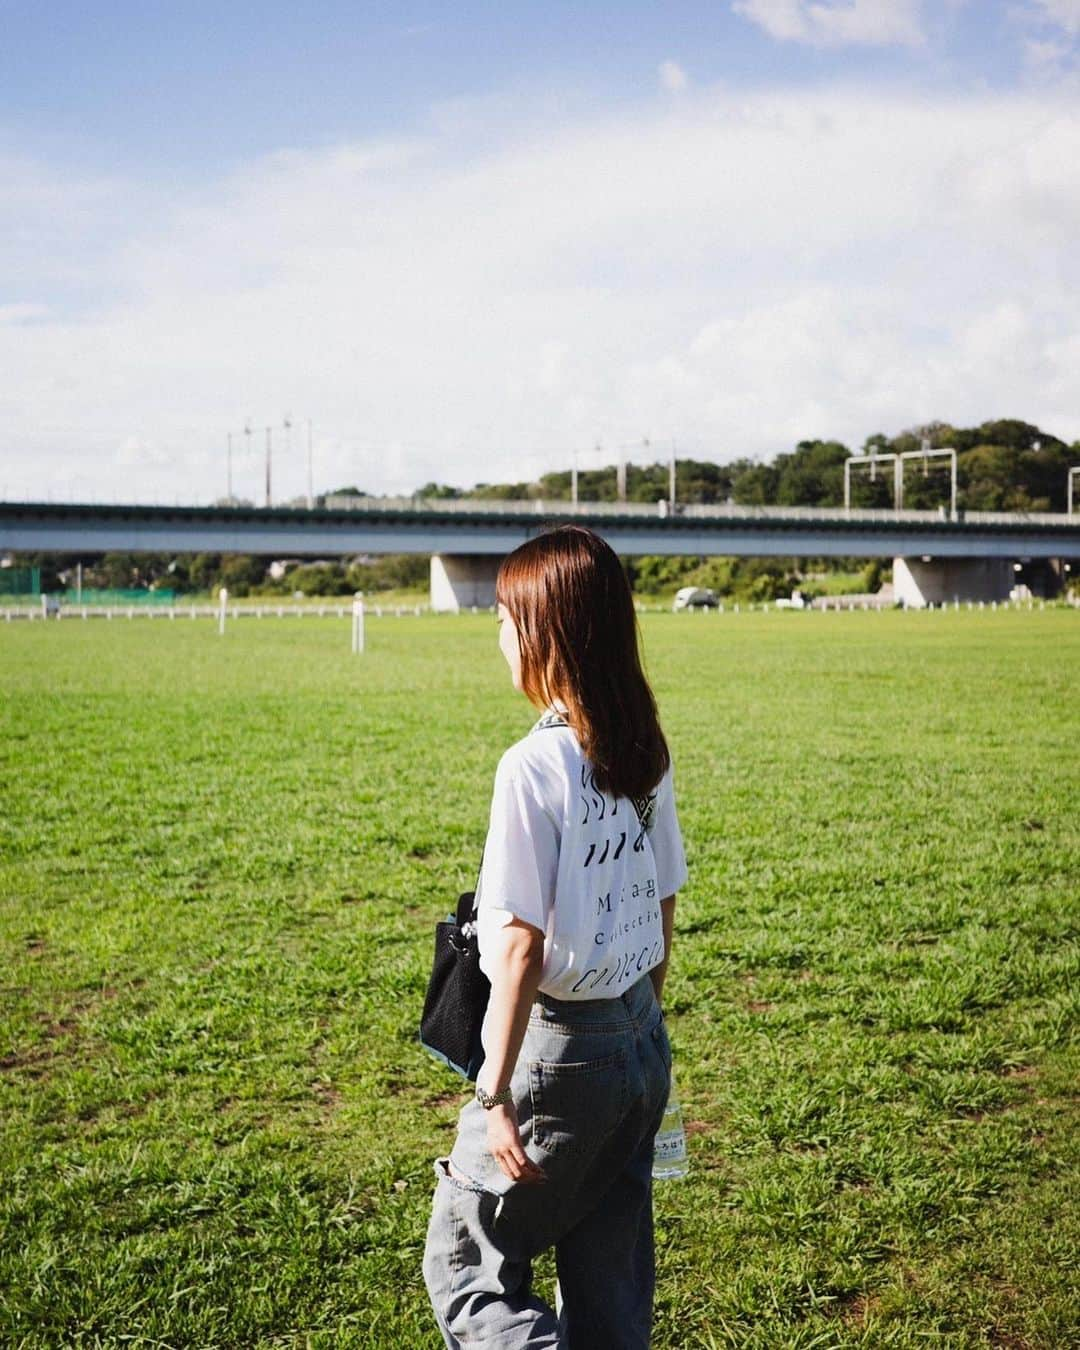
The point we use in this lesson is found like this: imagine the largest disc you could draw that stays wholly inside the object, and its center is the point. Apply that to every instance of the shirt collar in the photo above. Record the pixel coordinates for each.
(555, 716)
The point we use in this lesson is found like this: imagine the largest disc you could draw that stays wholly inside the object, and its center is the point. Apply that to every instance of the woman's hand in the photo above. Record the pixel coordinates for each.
(504, 1145)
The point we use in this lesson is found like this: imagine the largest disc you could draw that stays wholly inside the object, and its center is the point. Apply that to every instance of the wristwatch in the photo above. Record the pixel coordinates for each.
(489, 1099)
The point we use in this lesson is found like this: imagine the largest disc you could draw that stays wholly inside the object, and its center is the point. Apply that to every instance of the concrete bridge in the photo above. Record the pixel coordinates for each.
(937, 555)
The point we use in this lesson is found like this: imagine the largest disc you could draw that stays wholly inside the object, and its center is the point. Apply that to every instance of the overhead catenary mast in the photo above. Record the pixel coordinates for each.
(268, 452)
(287, 424)
(247, 433)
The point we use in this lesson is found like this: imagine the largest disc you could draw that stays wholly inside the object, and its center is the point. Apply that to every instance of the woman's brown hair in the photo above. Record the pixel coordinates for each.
(570, 601)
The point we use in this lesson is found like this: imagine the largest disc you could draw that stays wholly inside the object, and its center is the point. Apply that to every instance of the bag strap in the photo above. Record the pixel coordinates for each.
(466, 908)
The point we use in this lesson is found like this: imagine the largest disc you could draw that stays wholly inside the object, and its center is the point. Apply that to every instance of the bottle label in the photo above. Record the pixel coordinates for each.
(669, 1147)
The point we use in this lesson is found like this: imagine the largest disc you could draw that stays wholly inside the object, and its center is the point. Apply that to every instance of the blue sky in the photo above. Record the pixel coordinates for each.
(194, 87)
(469, 240)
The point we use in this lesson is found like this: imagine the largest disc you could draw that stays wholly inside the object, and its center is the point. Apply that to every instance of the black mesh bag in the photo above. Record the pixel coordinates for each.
(457, 993)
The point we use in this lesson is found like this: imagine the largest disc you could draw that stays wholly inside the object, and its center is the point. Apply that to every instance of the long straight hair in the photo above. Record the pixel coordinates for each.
(570, 601)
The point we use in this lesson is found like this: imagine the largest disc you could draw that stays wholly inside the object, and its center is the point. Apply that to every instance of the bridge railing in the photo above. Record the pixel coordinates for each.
(473, 506)
(589, 510)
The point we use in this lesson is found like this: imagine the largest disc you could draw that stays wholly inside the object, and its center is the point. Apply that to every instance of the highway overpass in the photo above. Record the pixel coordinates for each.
(466, 538)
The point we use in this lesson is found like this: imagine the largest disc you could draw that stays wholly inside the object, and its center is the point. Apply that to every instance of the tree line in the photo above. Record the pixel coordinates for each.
(243, 574)
(1003, 465)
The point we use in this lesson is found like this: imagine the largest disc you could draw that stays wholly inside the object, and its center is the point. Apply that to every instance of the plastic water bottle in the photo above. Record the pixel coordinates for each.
(670, 1162)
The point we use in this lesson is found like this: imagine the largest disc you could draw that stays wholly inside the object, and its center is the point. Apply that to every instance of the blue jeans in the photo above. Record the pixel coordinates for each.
(590, 1087)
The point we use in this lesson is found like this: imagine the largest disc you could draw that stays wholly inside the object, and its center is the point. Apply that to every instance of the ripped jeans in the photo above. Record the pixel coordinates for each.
(590, 1087)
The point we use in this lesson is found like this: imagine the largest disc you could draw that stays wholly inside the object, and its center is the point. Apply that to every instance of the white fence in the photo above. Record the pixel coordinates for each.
(345, 611)
(210, 611)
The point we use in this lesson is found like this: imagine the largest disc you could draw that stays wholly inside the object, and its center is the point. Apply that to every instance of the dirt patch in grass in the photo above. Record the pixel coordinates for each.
(1009, 1339)
(129, 1109)
(1002, 1335)
(33, 1062)
(855, 1309)
(54, 1029)
(328, 1097)
(451, 1098)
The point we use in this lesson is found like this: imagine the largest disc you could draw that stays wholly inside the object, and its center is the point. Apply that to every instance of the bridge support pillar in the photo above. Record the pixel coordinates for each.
(459, 581)
(943, 580)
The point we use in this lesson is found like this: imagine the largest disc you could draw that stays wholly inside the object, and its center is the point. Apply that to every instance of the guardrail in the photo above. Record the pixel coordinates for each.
(339, 504)
(693, 511)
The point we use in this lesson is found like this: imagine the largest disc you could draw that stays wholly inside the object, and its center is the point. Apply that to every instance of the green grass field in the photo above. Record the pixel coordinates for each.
(220, 863)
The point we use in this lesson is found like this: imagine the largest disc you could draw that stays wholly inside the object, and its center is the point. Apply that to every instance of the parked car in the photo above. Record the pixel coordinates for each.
(694, 597)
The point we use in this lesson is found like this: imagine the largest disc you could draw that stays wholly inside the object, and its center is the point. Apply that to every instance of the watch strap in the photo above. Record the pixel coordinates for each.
(489, 1099)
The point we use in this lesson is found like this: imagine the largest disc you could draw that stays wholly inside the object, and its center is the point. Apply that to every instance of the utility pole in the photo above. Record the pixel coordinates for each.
(247, 433)
(287, 424)
(573, 478)
(268, 498)
(310, 490)
(671, 478)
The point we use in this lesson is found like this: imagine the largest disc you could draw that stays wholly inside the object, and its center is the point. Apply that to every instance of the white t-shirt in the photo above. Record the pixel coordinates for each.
(579, 865)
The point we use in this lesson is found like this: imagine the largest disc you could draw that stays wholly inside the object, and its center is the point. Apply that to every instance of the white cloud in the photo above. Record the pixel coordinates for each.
(734, 270)
(833, 23)
(22, 313)
(672, 77)
(134, 451)
(1064, 14)
(1045, 57)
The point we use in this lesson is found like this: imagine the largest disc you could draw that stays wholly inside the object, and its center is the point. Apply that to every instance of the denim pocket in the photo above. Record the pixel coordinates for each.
(575, 1106)
(461, 1182)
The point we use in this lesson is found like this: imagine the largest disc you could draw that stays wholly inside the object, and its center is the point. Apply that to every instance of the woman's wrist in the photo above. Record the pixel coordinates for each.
(493, 1078)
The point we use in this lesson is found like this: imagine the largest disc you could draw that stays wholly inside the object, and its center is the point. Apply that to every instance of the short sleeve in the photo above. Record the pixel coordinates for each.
(666, 839)
(521, 854)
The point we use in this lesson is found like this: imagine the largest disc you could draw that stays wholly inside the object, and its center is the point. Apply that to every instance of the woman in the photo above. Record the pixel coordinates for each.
(575, 906)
